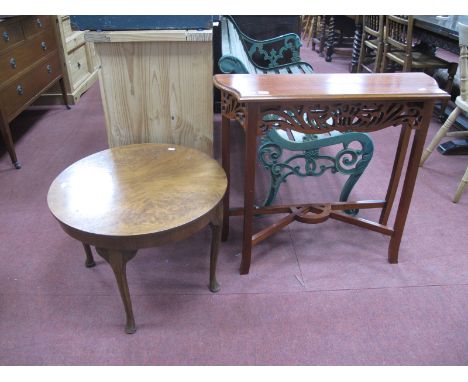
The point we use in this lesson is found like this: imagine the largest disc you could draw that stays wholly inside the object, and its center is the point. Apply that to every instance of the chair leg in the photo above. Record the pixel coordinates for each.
(310, 31)
(378, 57)
(440, 134)
(315, 32)
(362, 53)
(461, 186)
(384, 60)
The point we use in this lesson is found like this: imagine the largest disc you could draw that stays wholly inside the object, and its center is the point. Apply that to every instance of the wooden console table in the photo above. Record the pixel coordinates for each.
(318, 103)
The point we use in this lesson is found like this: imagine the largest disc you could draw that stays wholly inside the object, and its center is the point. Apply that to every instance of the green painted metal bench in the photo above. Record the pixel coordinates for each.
(280, 55)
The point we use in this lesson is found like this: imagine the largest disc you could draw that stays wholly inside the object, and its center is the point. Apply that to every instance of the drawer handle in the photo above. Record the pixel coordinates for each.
(39, 23)
(79, 65)
(20, 89)
(43, 45)
(6, 36)
(13, 63)
(49, 69)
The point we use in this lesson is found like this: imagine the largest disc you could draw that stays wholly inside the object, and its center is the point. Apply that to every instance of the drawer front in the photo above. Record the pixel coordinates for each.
(74, 41)
(78, 66)
(66, 26)
(10, 34)
(35, 24)
(25, 55)
(23, 90)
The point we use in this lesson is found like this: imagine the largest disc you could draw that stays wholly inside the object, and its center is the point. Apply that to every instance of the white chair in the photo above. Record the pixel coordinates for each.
(462, 107)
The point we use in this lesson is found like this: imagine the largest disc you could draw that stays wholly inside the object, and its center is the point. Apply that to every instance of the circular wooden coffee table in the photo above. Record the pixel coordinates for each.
(126, 198)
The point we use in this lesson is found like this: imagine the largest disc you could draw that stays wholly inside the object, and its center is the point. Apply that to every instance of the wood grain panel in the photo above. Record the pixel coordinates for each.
(137, 190)
(66, 26)
(149, 36)
(336, 86)
(159, 92)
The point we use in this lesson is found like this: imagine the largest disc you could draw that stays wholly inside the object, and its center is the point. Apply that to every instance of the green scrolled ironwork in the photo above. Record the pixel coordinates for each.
(280, 48)
(310, 162)
(291, 43)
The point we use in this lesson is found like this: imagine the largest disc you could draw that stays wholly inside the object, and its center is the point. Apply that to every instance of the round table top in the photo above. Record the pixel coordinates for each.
(137, 190)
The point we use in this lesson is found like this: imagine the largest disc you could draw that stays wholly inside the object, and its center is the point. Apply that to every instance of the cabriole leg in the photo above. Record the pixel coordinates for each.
(216, 229)
(118, 261)
(89, 256)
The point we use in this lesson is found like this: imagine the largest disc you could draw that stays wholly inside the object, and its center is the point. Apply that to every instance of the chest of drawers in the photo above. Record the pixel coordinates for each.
(29, 65)
(79, 62)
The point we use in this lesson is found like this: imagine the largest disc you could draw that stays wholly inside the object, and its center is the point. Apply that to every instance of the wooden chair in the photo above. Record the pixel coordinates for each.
(461, 107)
(371, 44)
(312, 31)
(319, 34)
(400, 51)
(340, 33)
(305, 25)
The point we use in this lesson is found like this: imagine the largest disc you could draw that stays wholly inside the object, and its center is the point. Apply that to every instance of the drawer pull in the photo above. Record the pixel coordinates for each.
(13, 63)
(43, 45)
(39, 23)
(49, 69)
(78, 65)
(6, 36)
(20, 89)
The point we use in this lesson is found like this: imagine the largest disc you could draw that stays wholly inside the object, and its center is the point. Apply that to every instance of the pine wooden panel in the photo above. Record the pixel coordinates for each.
(149, 35)
(158, 92)
(66, 26)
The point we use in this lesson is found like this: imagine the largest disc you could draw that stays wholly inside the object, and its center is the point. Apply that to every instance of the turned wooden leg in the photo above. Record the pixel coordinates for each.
(356, 46)
(118, 261)
(440, 134)
(216, 229)
(461, 187)
(89, 263)
(64, 93)
(323, 35)
(330, 44)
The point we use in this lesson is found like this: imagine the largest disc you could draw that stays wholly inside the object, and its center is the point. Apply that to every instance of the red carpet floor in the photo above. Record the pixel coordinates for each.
(316, 295)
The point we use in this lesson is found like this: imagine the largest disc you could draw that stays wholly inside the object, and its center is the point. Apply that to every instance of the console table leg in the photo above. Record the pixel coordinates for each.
(409, 183)
(118, 261)
(250, 127)
(216, 227)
